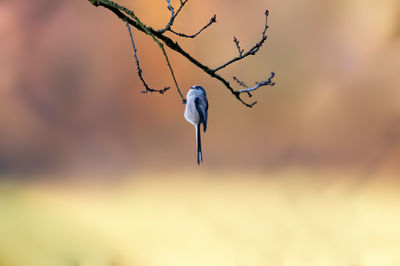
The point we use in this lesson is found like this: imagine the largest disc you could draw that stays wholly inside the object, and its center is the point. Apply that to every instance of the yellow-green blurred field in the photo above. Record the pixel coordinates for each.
(291, 218)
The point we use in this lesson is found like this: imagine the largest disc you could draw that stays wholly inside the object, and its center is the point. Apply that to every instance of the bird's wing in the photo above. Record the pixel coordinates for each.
(202, 111)
(205, 115)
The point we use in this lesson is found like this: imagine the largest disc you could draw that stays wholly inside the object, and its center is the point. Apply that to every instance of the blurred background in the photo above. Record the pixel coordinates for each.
(306, 177)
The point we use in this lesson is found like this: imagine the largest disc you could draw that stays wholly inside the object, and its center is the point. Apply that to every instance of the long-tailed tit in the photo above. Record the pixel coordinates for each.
(196, 113)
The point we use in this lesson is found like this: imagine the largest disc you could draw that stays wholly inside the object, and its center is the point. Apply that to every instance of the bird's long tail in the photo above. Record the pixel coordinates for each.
(198, 144)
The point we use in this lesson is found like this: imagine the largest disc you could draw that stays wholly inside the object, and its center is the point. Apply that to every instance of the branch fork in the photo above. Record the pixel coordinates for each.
(160, 38)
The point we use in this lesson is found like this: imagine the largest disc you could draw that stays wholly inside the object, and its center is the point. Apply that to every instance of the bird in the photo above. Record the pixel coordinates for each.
(196, 113)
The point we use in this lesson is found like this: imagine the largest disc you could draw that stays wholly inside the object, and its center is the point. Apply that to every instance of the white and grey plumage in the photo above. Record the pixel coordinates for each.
(196, 113)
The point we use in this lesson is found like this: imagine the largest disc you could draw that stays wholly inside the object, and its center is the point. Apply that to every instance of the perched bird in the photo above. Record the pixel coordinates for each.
(196, 113)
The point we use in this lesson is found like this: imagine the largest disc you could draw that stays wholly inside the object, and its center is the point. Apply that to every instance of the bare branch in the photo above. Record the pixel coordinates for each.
(267, 82)
(179, 10)
(241, 83)
(170, 68)
(170, 8)
(252, 51)
(158, 36)
(238, 46)
(139, 70)
(212, 20)
(248, 89)
(173, 15)
(122, 13)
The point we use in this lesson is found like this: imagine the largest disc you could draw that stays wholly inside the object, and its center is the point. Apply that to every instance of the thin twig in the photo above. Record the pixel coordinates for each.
(173, 15)
(241, 83)
(267, 82)
(170, 68)
(212, 20)
(248, 90)
(253, 50)
(236, 41)
(139, 70)
(170, 8)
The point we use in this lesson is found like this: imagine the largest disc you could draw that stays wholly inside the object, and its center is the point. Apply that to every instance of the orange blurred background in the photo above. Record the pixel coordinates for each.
(70, 95)
(309, 176)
